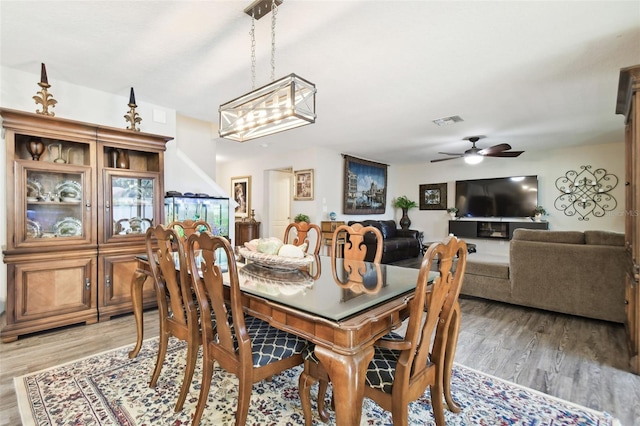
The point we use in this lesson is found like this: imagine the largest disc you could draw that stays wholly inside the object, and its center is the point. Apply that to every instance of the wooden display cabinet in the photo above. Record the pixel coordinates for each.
(66, 201)
(246, 231)
(628, 105)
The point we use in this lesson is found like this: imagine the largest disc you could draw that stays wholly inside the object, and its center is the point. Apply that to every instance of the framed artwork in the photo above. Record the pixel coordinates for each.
(365, 186)
(241, 190)
(433, 196)
(303, 189)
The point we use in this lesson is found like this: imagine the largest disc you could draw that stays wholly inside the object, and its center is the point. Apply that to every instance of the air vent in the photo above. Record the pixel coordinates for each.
(448, 120)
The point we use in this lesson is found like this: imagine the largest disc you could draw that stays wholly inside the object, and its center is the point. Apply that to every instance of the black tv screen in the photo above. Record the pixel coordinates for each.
(515, 196)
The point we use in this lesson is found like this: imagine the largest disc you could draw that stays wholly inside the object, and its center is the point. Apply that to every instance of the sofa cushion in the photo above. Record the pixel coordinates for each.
(488, 266)
(604, 238)
(568, 237)
(388, 229)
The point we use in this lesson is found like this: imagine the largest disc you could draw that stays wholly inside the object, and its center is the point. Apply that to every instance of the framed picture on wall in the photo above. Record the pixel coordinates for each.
(365, 186)
(303, 189)
(241, 190)
(433, 196)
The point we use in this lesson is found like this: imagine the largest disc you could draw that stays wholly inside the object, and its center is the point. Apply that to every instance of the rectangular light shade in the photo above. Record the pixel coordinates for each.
(281, 105)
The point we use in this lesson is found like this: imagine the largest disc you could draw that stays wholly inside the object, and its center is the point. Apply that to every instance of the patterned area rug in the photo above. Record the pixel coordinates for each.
(111, 389)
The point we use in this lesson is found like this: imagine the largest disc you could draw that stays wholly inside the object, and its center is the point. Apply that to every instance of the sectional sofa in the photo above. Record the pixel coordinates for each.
(578, 273)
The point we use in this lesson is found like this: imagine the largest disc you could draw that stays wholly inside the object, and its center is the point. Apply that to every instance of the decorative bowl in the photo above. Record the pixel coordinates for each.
(276, 262)
(273, 281)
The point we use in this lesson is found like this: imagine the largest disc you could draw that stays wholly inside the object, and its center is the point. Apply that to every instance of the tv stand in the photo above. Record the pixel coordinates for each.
(492, 227)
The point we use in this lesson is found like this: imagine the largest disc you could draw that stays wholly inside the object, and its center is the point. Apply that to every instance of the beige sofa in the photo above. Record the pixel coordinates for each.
(578, 273)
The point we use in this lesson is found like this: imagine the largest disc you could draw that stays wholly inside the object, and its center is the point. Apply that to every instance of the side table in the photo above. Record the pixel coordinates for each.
(246, 231)
(327, 228)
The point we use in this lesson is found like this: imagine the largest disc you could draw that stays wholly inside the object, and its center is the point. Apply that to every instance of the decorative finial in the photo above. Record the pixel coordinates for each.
(132, 116)
(43, 97)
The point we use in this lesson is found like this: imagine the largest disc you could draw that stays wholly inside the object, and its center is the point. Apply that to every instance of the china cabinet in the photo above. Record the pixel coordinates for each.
(213, 210)
(75, 221)
(627, 105)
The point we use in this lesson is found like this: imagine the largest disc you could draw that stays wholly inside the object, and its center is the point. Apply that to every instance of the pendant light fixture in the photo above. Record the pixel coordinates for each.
(283, 104)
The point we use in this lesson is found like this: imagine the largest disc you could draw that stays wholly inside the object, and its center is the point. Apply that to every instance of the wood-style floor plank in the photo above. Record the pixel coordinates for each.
(578, 359)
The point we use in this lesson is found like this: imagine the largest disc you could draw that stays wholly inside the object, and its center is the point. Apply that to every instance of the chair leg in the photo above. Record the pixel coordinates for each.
(304, 388)
(244, 398)
(207, 373)
(436, 402)
(452, 342)
(162, 353)
(400, 414)
(322, 393)
(192, 356)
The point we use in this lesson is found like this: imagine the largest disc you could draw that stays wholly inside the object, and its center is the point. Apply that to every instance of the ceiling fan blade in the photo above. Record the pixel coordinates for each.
(445, 159)
(458, 154)
(505, 154)
(495, 149)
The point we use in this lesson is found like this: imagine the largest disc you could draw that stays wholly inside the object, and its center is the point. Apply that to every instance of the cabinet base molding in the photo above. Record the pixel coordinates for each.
(11, 332)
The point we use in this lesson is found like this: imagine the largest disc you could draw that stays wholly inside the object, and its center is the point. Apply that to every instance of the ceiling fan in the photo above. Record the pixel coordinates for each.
(474, 155)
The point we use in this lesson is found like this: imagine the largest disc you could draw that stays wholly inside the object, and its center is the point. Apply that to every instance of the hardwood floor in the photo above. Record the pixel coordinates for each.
(577, 359)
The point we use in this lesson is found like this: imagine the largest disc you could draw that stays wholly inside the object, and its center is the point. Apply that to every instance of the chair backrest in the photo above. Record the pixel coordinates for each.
(354, 247)
(164, 246)
(302, 230)
(357, 275)
(209, 287)
(436, 302)
(187, 227)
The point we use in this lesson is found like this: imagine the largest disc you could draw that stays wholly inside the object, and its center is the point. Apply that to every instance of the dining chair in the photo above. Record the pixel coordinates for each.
(177, 308)
(403, 366)
(187, 227)
(297, 233)
(241, 344)
(354, 247)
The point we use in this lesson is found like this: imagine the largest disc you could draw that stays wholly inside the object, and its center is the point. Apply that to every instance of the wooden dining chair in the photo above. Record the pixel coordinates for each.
(186, 228)
(354, 246)
(403, 366)
(176, 304)
(241, 344)
(297, 233)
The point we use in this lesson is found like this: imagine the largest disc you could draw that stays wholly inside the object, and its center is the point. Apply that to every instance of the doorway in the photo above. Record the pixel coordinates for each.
(279, 184)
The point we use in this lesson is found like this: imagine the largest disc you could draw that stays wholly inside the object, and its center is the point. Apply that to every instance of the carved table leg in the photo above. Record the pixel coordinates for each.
(450, 351)
(137, 282)
(347, 374)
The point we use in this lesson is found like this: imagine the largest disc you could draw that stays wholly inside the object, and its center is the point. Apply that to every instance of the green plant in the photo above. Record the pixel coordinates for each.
(452, 210)
(301, 217)
(539, 210)
(403, 202)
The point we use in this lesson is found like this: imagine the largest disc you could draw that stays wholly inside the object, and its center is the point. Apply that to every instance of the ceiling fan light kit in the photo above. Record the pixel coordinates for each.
(475, 155)
(283, 104)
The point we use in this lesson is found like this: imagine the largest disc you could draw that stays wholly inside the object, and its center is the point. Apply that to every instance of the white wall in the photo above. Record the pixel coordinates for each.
(190, 158)
(405, 180)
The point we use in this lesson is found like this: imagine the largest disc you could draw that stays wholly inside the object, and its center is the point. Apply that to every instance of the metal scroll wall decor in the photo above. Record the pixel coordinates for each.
(586, 193)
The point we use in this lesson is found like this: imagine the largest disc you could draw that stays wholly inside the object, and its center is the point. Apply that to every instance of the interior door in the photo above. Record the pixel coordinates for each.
(280, 184)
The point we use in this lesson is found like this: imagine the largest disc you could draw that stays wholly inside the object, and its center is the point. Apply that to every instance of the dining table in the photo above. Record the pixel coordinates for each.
(341, 306)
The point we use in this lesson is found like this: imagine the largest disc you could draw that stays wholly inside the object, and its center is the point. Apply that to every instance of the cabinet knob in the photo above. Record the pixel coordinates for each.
(106, 205)
(87, 283)
(88, 204)
(107, 281)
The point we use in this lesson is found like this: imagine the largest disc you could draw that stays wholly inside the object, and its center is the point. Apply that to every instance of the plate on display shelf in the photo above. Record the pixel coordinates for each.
(69, 189)
(68, 227)
(273, 261)
(70, 200)
(34, 230)
(34, 189)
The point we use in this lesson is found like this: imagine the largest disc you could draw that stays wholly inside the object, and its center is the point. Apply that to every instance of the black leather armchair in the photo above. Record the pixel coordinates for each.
(398, 244)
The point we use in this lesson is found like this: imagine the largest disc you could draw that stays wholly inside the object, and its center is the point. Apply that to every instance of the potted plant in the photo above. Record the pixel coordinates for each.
(452, 212)
(404, 203)
(538, 211)
(301, 217)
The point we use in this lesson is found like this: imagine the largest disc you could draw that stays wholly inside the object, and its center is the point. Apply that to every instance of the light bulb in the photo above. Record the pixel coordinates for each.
(473, 159)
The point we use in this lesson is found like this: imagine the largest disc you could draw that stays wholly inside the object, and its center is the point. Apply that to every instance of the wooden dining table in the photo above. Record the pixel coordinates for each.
(341, 316)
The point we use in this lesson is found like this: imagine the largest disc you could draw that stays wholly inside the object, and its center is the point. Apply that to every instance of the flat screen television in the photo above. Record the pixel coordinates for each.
(514, 196)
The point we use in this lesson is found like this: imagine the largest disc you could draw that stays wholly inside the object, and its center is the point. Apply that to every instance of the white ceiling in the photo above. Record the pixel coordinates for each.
(534, 74)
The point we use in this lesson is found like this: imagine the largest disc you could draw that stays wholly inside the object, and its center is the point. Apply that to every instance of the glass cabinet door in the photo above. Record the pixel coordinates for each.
(57, 205)
(131, 206)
